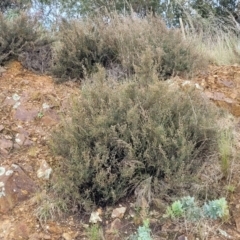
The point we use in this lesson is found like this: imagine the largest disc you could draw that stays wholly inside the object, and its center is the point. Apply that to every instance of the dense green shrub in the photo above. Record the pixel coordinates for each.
(118, 135)
(80, 50)
(122, 41)
(21, 37)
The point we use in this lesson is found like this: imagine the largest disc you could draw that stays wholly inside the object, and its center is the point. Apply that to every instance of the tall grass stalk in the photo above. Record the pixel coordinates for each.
(216, 38)
(224, 144)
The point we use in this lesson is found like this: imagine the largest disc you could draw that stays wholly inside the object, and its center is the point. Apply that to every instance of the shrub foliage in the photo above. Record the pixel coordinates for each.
(21, 37)
(122, 41)
(120, 134)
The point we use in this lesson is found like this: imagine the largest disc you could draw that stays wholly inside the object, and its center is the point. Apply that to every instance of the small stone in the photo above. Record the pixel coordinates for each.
(16, 97)
(20, 138)
(16, 105)
(45, 106)
(118, 212)
(94, 218)
(67, 236)
(44, 171)
(224, 234)
(182, 237)
(132, 213)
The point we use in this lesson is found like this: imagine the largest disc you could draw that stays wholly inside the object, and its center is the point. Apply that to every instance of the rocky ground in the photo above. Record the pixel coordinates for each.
(30, 108)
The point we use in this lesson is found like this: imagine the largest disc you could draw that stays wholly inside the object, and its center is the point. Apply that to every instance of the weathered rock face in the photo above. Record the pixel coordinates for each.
(13, 139)
(15, 186)
(25, 115)
(222, 85)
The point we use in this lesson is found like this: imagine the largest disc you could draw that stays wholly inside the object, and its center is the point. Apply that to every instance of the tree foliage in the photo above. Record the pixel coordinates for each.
(13, 4)
(171, 11)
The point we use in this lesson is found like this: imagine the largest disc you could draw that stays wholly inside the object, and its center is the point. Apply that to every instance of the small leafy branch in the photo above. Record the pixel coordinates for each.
(187, 207)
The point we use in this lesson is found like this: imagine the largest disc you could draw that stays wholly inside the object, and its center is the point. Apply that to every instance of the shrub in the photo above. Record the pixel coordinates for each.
(143, 232)
(118, 135)
(122, 41)
(79, 50)
(187, 207)
(216, 209)
(21, 37)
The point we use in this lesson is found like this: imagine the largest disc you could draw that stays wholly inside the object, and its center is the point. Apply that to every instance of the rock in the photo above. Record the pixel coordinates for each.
(44, 171)
(22, 139)
(118, 212)
(15, 186)
(94, 218)
(223, 88)
(53, 228)
(45, 106)
(25, 115)
(5, 146)
(182, 237)
(115, 225)
(14, 101)
(16, 97)
(224, 234)
(69, 235)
